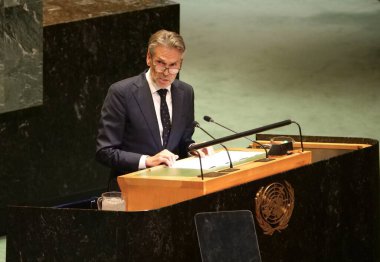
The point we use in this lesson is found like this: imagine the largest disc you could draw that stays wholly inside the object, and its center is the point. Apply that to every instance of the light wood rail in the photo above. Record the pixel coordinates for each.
(163, 186)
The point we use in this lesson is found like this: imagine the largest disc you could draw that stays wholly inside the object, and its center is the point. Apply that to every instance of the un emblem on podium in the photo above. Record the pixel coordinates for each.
(274, 207)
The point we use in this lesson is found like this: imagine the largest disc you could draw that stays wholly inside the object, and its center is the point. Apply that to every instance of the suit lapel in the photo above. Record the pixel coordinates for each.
(177, 99)
(145, 101)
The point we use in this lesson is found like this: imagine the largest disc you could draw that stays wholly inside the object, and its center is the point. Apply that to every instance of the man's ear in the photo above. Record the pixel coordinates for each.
(148, 59)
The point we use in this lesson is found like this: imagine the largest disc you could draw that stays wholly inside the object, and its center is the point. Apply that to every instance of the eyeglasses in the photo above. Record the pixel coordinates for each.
(161, 69)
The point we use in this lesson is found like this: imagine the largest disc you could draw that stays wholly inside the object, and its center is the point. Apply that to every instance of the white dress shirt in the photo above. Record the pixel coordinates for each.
(157, 102)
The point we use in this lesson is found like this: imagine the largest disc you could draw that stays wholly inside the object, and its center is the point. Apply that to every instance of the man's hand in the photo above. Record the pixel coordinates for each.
(205, 151)
(164, 157)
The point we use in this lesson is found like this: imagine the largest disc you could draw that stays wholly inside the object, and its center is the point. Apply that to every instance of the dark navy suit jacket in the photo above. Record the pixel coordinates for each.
(128, 126)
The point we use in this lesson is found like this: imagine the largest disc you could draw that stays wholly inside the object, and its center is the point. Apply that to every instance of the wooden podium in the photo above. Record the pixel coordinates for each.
(163, 186)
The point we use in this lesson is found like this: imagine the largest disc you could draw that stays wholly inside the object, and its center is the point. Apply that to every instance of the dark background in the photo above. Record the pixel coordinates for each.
(47, 152)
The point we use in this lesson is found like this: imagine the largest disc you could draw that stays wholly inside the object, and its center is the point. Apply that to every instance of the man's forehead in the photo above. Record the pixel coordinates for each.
(166, 59)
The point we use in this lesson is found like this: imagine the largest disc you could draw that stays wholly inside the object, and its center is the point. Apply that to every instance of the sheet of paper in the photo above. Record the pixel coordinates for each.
(216, 160)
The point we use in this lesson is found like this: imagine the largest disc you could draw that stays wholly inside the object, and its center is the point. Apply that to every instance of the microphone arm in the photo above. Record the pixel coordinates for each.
(200, 162)
(209, 119)
(196, 124)
(299, 129)
(239, 135)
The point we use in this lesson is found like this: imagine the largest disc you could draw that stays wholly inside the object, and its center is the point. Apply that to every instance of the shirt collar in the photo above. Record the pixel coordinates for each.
(153, 87)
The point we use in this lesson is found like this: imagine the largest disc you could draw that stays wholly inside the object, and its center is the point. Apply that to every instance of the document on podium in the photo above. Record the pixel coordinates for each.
(216, 160)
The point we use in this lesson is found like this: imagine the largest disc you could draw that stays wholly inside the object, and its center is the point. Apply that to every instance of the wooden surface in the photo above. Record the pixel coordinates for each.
(316, 145)
(162, 186)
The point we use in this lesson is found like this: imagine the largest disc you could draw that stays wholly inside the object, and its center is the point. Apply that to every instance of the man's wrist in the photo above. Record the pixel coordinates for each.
(142, 162)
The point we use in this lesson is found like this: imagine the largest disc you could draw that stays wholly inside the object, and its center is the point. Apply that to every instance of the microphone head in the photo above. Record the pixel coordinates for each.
(195, 124)
(208, 119)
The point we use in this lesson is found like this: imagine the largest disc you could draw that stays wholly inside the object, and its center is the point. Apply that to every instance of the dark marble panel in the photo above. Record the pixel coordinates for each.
(47, 152)
(22, 55)
(2, 98)
(57, 12)
(335, 218)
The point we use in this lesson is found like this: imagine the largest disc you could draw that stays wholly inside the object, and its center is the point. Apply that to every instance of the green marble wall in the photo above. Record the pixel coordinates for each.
(1, 53)
(21, 58)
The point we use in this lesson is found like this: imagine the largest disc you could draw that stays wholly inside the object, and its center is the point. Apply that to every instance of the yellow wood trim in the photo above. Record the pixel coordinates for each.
(152, 192)
(318, 145)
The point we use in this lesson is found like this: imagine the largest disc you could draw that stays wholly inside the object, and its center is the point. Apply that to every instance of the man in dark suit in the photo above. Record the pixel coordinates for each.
(142, 126)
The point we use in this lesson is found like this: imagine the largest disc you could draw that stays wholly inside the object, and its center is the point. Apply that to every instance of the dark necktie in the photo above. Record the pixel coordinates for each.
(165, 117)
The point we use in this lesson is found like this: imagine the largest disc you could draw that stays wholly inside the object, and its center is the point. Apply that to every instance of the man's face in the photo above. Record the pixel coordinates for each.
(164, 60)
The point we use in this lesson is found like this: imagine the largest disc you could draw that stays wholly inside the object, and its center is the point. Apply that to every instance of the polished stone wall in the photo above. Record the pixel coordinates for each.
(47, 152)
(21, 58)
(1, 53)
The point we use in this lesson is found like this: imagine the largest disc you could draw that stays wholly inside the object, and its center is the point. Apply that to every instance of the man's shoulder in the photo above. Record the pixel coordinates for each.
(129, 82)
(182, 85)
(128, 85)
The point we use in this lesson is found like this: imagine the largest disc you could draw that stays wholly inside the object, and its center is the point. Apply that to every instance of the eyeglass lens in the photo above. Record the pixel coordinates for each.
(161, 69)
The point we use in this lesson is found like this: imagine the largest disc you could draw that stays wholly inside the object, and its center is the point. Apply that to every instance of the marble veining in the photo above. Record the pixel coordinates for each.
(56, 11)
(2, 97)
(22, 55)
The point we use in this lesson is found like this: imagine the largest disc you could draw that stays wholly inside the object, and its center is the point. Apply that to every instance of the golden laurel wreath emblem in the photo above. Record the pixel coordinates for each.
(274, 207)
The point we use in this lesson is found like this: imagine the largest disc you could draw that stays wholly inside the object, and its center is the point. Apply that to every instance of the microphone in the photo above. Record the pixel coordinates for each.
(196, 146)
(196, 124)
(239, 135)
(209, 119)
